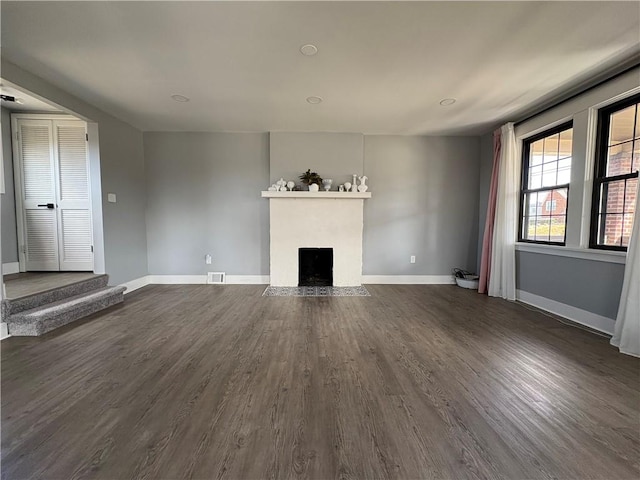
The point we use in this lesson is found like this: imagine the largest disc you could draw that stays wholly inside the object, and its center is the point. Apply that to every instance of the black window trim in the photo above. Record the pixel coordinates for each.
(523, 183)
(600, 168)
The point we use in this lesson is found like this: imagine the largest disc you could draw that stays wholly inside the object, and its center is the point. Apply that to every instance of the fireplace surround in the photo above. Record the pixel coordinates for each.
(316, 220)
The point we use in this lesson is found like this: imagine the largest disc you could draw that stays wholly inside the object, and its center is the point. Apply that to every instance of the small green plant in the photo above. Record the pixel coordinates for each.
(310, 177)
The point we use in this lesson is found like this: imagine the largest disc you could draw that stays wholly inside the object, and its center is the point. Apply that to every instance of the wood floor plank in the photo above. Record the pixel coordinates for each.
(197, 381)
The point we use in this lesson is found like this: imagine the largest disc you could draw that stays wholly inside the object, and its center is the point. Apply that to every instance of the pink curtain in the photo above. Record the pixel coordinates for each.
(485, 263)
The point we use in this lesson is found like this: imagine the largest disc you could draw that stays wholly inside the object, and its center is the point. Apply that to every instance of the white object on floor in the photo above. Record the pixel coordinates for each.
(469, 281)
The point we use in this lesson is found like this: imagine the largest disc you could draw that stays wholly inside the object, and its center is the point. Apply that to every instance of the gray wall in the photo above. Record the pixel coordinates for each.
(203, 196)
(9, 227)
(333, 155)
(424, 203)
(587, 284)
(122, 172)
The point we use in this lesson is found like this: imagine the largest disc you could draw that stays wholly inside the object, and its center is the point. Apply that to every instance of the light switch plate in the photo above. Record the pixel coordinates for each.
(111, 197)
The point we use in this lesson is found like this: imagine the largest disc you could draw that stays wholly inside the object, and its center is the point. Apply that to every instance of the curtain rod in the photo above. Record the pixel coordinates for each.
(604, 77)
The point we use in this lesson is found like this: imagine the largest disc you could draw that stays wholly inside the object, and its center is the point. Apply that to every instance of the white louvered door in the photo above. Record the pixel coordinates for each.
(72, 187)
(54, 174)
(38, 194)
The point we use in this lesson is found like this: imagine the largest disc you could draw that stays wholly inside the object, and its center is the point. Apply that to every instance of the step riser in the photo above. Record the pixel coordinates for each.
(41, 326)
(11, 307)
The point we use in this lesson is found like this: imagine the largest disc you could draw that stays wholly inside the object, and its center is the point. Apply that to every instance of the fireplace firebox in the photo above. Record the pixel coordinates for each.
(315, 267)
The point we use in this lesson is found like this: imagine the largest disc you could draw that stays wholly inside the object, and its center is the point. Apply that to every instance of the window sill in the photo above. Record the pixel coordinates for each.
(572, 252)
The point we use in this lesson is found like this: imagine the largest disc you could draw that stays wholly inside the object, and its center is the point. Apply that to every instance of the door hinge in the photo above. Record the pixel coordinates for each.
(24, 248)
(91, 248)
(86, 135)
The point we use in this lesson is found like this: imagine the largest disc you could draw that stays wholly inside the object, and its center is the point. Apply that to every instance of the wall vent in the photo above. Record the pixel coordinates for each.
(216, 278)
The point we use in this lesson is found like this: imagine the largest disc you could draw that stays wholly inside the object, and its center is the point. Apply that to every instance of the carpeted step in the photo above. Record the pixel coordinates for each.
(44, 318)
(16, 305)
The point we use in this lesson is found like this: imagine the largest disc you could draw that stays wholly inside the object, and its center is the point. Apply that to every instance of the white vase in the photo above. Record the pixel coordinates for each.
(314, 187)
(362, 188)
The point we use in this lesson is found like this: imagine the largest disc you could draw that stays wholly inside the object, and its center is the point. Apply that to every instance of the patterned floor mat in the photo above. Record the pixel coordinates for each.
(316, 292)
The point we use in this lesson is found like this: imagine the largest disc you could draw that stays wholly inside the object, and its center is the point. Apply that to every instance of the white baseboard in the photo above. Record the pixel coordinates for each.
(195, 280)
(4, 332)
(265, 279)
(583, 317)
(9, 268)
(409, 279)
(134, 285)
(248, 279)
(177, 279)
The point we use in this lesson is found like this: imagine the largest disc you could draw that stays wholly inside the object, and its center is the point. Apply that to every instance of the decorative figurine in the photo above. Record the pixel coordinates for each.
(363, 185)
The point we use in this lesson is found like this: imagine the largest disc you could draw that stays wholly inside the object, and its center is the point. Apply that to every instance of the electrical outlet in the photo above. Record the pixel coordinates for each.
(207, 259)
(413, 259)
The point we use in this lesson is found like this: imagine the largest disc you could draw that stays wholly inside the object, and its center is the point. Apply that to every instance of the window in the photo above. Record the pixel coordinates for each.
(616, 175)
(546, 172)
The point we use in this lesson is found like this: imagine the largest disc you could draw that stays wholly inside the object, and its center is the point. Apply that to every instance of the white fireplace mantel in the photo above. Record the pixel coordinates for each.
(305, 194)
(316, 220)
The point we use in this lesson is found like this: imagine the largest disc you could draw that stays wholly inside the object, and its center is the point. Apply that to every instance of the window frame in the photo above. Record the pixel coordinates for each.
(524, 179)
(600, 168)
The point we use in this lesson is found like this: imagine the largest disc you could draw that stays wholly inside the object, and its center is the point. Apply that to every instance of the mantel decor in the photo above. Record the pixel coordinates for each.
(305, 194)
(310, 178)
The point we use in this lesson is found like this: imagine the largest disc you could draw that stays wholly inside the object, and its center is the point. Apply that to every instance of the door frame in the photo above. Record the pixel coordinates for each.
(17, 179)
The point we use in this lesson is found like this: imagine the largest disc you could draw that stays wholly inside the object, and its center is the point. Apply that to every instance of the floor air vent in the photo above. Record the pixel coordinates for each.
(216, 278)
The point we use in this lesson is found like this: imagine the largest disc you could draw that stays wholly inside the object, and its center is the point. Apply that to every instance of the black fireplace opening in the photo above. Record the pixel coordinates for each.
(315, 267)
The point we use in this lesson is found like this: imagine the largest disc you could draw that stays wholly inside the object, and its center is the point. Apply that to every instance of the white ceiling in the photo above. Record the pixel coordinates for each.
(382, 67)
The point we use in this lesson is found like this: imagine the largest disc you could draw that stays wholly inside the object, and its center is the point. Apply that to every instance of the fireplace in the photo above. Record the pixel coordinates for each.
(315, 267)
(336, 224)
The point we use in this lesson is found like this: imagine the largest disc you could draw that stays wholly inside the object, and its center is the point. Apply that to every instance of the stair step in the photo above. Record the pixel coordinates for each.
(44, 318)
(16, 305)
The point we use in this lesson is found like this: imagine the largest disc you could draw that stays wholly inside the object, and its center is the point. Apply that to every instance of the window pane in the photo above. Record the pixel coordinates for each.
(612, 229)
(541, 228)
(613, 193)
(630, 195)
(619, 159)
(535, 177)
(564, 171)
(636, 155)
(535, 153)
(637, 121)
(566, 143)
(551, 148)
(550, 174)
(557, 228)
(532, 205)
(558, 202)
(622, 123)
(627, 227)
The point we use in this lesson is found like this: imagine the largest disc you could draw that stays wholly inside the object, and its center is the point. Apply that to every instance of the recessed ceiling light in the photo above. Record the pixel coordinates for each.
(180, 98)
(309, 50)
(447, 101)
(314, 100)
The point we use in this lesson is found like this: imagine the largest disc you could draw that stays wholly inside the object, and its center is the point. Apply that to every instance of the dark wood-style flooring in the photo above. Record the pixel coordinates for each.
(19, 285)
(199, 381)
